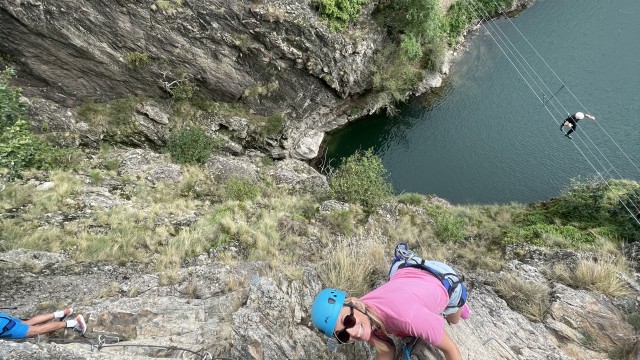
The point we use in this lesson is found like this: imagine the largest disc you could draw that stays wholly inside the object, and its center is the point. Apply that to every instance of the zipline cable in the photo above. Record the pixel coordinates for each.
(489, 24)
(569, 90)
(473, 8)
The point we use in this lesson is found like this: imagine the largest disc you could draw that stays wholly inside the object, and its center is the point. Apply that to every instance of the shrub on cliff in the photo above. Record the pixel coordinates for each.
(190, 146)
(421, 21)
(339, 13)
(462, 13)
(601, 208)
(361, 179)
(11, 109)
(20, 149)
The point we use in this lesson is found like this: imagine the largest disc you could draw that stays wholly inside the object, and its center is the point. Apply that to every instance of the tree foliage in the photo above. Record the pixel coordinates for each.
(11, 109)
(418, 22)
(339, 13)
(20, 148)
(361, 179)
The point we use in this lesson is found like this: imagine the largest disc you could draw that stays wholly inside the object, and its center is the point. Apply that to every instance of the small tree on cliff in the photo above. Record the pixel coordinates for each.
(361, 179)
(11, 109)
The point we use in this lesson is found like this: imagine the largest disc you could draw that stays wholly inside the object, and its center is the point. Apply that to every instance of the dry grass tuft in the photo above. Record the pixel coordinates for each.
(351, 265)
(601, 275)
(530, 299)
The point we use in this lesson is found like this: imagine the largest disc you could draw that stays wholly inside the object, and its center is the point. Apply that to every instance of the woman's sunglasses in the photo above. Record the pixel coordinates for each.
(349, 321)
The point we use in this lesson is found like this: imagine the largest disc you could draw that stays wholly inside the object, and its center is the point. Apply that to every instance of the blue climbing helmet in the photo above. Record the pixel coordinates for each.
(325, 309)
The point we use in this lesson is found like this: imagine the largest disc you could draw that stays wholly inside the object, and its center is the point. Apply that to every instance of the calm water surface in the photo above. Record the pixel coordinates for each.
(486, 138)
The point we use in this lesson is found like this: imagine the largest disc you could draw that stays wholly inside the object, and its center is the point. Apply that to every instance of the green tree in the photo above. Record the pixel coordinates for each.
(11, 109)
(421, 22)
(361, 179)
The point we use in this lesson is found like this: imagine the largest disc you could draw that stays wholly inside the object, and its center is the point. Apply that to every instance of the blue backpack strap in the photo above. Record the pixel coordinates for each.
(448, 284)
(450, 281)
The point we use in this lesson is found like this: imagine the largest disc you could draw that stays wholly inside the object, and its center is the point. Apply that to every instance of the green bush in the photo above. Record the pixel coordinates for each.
(393, 76)
(411, 199)
(11, 109)
(20, 149)
(361, 179)
(190, 146)
(184, 90)
(241, 189)
(422, 20)
(339, 13)
(446, 226)
(411, 48)
(459, 16)
(462, 13)
(597, 205)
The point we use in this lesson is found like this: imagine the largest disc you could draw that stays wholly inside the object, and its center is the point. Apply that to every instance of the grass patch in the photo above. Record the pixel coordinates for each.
(530, 299)
(548, 235)
(411, 199)
(447, 226)
(340, 221)
(345, 270)
(136, 59)
(600, 275)
(114, 118)
(241, 189)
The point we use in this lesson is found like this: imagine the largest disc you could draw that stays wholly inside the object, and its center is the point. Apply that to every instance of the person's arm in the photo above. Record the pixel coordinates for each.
(449, 348)
(590, 116)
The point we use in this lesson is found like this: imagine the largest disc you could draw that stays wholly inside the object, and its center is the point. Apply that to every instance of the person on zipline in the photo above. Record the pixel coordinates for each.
(572, 122)
(14, 328)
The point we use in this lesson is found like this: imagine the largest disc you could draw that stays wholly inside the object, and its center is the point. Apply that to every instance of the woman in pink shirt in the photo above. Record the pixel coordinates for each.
(412, 303)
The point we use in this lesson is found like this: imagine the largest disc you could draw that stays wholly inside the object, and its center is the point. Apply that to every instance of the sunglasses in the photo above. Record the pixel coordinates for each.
(349, 321)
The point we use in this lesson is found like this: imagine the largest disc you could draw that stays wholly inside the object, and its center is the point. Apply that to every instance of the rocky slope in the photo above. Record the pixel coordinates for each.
(242, 309)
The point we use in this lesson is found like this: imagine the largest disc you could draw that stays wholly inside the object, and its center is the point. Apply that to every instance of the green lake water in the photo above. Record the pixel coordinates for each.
(486, 137)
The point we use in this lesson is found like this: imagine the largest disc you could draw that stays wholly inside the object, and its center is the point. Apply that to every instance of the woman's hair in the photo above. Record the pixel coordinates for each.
(380, 344)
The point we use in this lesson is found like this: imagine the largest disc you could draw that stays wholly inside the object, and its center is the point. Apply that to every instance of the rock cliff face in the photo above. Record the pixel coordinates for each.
(252, 310)
(274, 56)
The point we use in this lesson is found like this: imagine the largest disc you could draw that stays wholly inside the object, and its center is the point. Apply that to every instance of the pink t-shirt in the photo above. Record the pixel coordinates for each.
(411, 304)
